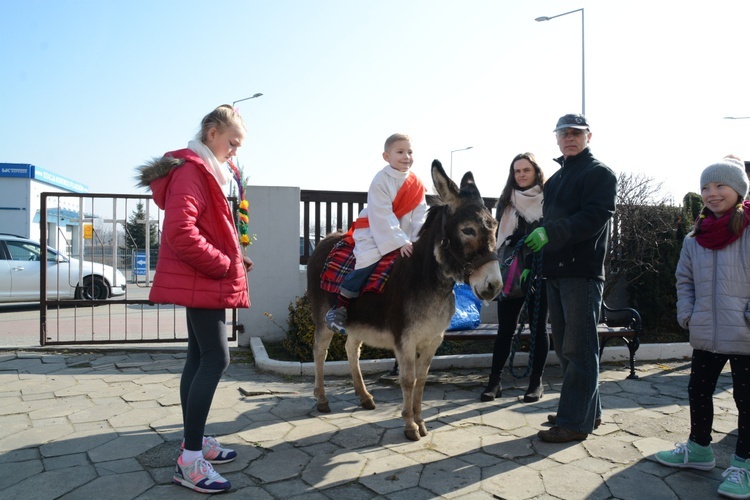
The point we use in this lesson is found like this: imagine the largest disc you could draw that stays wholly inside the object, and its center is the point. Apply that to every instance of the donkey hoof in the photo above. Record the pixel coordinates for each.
(422, 429)
(324, 407)
(368, 404)
(412, 434)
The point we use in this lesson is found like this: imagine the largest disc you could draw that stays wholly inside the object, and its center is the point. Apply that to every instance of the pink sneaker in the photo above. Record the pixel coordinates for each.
(200, 476)
(213, 452)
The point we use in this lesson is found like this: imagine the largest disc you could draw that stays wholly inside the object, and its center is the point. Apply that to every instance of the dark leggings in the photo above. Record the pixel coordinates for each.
(704, 374)
(507, 318)
(207, 358)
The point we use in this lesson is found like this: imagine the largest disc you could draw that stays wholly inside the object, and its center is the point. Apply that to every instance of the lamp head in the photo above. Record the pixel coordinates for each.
(542, 18)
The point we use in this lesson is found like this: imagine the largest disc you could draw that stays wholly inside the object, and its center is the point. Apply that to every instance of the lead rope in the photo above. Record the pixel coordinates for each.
(533, 291)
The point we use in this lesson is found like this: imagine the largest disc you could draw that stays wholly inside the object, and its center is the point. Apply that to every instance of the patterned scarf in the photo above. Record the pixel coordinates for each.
(340, 262)
(715, 234)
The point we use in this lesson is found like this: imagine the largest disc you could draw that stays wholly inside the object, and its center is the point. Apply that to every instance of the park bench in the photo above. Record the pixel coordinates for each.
(625, 325)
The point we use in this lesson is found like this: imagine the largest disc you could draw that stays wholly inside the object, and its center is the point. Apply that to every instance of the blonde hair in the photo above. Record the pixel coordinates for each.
(735, 221)
(220, 118)
(394, 139)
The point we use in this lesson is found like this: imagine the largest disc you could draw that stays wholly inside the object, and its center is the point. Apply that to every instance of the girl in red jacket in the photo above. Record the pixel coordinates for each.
(200, 267)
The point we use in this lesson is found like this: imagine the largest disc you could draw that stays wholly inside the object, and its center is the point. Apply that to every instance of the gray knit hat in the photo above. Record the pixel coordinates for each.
(729, 171)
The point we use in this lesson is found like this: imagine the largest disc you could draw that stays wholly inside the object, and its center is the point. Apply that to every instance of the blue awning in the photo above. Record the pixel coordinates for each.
(62, 216)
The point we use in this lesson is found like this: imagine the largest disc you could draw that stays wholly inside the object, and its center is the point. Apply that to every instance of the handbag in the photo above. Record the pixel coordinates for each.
(511, 267)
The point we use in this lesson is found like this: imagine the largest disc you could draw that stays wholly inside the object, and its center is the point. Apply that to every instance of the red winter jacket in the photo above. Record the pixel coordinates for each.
(200, 262)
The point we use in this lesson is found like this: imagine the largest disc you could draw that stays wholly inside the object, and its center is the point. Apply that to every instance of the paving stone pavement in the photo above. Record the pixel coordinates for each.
(107, 425)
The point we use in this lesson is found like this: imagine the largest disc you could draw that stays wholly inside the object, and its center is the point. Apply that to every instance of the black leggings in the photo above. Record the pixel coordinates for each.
(704, 374)
(507, 318)
(207, 358)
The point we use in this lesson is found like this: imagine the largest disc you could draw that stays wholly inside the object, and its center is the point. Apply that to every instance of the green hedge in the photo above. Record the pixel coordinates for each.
(300, 337)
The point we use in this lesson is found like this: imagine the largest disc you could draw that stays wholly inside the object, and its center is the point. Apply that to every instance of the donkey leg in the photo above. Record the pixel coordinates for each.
(352, 355)
(407, 379)
(323, 337)
(422, 370)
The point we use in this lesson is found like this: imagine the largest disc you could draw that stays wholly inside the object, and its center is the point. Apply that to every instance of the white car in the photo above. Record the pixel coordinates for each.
(20, 269)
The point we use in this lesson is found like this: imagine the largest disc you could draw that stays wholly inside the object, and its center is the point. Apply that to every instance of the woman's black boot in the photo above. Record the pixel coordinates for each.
(535, 391)
(493, 389)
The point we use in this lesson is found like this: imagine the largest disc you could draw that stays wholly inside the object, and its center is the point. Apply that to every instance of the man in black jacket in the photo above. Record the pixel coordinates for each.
(579, 201)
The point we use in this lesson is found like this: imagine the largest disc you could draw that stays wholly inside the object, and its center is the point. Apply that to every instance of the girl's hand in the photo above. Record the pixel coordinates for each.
(407, 249)
(248, 263)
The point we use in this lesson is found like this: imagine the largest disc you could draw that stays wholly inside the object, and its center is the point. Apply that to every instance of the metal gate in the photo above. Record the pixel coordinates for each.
(98, 270)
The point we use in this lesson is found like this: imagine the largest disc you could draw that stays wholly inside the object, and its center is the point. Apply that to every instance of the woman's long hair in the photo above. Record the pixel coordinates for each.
(510, 185)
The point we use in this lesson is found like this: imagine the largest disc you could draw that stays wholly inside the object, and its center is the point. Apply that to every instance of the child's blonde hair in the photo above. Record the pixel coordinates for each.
(736, 221)
(395, 138)
(220, 118)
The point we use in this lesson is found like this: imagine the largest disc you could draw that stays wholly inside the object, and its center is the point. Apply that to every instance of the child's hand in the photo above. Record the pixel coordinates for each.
(248, 263)
(407, 249)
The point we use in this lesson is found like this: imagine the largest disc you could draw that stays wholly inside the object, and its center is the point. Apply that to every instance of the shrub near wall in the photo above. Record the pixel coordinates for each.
(300, 337)
(647, 234)
(654, 293)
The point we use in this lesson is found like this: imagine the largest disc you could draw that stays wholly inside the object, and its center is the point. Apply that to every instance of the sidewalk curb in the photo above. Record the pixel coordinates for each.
(646, 352)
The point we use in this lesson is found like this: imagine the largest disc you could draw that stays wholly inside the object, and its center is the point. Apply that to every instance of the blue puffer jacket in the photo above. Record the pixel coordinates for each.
(713, 295)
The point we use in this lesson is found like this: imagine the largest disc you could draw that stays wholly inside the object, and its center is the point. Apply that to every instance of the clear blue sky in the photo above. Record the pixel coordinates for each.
(91, 89)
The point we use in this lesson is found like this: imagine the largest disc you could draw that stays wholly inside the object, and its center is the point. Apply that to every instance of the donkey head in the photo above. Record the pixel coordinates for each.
(466, 250)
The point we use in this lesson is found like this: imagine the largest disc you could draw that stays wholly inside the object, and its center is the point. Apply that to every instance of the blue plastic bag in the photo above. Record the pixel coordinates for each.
(468, 308)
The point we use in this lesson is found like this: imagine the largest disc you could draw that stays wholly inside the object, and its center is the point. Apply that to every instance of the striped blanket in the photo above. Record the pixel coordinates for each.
(340, 262)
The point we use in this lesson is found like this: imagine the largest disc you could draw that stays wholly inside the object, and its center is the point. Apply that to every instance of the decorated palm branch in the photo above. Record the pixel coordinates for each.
(242, 212)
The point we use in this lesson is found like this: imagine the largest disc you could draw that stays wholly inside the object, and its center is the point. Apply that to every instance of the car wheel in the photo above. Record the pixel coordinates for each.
(93, 289)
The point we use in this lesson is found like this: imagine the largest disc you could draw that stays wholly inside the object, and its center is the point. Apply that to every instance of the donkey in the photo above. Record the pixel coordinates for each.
(456, 243)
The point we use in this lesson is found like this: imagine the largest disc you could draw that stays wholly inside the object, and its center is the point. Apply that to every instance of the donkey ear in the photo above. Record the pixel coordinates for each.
(468, 184)
(446, 188)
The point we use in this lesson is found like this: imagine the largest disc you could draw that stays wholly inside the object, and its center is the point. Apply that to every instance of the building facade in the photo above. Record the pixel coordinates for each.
(21, 186)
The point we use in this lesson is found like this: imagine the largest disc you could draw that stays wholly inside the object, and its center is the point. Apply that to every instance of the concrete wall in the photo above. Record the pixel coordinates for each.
(277, 278)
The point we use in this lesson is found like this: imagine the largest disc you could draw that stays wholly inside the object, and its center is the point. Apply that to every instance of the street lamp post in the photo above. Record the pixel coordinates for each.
(455, 150)
(247, 98)
(257, 94)
(737, 117)
(583, 57)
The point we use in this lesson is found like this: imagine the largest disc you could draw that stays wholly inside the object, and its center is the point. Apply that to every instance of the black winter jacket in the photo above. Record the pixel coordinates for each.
(579, 201)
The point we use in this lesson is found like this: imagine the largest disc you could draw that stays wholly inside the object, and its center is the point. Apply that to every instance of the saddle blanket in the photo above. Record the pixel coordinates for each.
(340, 262)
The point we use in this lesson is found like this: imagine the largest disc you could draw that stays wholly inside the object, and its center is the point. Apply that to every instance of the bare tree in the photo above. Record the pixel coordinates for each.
(643, 230)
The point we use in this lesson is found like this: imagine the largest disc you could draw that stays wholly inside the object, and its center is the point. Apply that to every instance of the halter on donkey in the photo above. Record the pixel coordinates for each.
(456, 243)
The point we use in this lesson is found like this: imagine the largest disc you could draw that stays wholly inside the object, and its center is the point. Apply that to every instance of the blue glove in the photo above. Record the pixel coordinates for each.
(537, 239)
(525, 275)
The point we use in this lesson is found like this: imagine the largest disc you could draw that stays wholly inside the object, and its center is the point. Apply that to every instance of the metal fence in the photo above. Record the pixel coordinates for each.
(324, 212)
(99, 236)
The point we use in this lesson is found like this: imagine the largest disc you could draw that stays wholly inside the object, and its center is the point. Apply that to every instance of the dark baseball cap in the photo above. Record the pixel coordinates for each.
(572, 121)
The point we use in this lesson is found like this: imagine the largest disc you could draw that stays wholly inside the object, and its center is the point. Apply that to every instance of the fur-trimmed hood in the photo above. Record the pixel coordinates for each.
(157, 173)
(156, 169)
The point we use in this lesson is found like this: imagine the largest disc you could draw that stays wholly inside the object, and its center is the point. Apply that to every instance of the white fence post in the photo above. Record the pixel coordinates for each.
(276, 278)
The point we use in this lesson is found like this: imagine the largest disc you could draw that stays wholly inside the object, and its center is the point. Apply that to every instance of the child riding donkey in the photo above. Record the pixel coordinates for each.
(395, 212)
